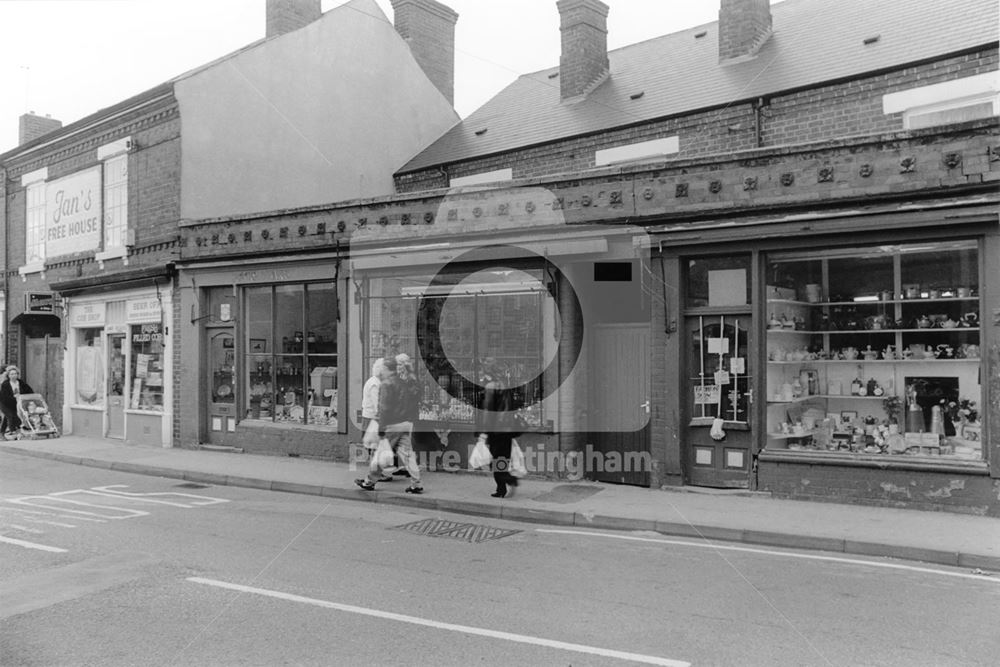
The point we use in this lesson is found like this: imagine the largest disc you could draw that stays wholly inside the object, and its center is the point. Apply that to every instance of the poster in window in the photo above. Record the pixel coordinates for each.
(89, 364)
(707, 394)
(141, 365)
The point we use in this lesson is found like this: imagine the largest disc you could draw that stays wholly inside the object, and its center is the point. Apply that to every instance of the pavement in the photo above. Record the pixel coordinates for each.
(742, 517)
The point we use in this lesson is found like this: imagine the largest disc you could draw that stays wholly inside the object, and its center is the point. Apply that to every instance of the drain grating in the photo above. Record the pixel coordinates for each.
(470, 532)
(191, 485)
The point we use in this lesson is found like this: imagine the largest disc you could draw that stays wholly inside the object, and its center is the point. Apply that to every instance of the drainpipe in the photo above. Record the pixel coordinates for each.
(758, 121)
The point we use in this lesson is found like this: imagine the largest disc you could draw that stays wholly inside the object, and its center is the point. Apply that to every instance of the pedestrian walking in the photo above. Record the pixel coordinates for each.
(369, 409)
(395, 409)
(498, 427)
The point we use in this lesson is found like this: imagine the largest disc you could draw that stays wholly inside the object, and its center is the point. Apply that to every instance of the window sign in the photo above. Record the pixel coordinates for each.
(73, 213)
(87, 315)
(142, 310)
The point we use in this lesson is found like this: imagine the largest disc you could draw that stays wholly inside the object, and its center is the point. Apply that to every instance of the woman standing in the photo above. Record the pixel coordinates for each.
(10, 390)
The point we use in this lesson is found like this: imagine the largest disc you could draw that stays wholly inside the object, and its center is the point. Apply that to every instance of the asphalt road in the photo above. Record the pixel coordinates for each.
(107, 568)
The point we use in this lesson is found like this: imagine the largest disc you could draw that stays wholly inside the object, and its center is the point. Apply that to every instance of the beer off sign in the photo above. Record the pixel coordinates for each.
(73, 213)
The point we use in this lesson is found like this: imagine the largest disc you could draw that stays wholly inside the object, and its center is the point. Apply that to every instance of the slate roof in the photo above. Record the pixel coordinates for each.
(813, 41)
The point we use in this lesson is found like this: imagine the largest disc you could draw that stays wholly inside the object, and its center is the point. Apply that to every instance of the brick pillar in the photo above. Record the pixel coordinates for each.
(288, 15)
(31, 126)
(584, 59)
(428, 27)
(744, 26)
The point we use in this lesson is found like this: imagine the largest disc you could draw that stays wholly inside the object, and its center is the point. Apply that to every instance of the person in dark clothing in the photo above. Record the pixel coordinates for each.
(10, 390)
(397, 405)
(498, 427)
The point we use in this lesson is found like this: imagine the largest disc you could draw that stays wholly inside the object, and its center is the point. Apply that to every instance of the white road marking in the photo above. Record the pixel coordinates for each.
(104, 511)
(415, 620)
(31, 545)
(769, 552)
(25, 529)
(193, 499)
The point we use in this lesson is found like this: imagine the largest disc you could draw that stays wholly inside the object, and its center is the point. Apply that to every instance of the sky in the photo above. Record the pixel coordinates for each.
(69, 58)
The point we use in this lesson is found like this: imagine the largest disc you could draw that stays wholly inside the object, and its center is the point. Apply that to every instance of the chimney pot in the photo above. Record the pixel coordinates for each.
(288, 15)
(428, 28)
(584, 60)
(744, 26)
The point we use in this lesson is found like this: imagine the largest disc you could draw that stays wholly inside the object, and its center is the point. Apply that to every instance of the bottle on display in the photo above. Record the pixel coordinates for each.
(857, 387)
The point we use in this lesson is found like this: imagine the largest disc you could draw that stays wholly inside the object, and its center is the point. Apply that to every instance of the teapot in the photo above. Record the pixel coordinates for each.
(944, 351)
(849, 353)
(923, 322)
(948, 324)
(971, 351)
(774, 323)
(917, 350)
(970, 319)
(870, 354)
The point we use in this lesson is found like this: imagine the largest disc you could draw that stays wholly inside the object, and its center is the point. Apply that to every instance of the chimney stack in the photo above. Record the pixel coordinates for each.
(428, 27)
(288, 15)
(31, 126)
(583, 64)
(744, 26)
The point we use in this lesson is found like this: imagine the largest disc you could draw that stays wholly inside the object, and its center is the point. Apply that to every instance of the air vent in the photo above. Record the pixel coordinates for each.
(635, 96)
(553, 75)
(872, 39)
(481, 132)
(699, 35)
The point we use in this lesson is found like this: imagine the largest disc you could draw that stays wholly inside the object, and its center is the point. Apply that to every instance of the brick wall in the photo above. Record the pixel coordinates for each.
(835, 111)
(912, 489)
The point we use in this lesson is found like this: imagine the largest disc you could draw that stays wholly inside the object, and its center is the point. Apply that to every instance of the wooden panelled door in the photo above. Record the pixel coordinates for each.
(718, 361)
(619, 403)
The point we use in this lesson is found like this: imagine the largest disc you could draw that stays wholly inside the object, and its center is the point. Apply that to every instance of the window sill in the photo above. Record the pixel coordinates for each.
(880, 461)
(36, 267)
(114, 253)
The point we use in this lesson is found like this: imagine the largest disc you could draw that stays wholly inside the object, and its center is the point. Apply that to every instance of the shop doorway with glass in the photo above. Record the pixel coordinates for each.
(116, 386)
(719, 361)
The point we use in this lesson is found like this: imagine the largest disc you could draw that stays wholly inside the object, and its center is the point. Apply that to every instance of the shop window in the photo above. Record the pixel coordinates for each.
(490, 325)
(875, 351)
(147, 367)
(291, 353)
(89, 388)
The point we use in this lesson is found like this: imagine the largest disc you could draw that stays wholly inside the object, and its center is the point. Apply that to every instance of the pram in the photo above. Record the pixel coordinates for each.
(35, 418)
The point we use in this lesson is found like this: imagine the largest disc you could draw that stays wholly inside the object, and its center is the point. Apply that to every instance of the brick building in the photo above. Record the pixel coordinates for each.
(94, 311)
(717, 253)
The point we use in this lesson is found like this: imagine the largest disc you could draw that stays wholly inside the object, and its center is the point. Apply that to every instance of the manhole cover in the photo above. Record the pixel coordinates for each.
(191, 485)
(469, 532)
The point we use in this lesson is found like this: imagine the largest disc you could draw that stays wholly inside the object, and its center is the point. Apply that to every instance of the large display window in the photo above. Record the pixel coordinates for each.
(876, 351)
(463, 332)
(90, 389)
(147, 367)
(291, 353)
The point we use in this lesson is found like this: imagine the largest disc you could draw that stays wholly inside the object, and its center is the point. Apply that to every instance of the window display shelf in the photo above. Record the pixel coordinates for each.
(820, 332)
(874, 302)
(974, 360)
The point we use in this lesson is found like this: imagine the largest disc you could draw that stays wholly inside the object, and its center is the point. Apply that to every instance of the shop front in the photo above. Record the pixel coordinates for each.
(265, 373)
(848, 361)
(118, 366)
(561, 322)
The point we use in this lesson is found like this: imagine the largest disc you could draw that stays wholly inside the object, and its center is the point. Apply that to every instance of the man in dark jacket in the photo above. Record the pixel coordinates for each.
(396, 407)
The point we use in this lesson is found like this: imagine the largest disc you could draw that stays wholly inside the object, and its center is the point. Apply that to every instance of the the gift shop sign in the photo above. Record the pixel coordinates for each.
(142, 310)
(73, 213)
(87, 315)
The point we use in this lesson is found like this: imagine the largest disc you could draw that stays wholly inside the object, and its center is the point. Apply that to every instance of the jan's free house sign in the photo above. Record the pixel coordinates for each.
(73, 213)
